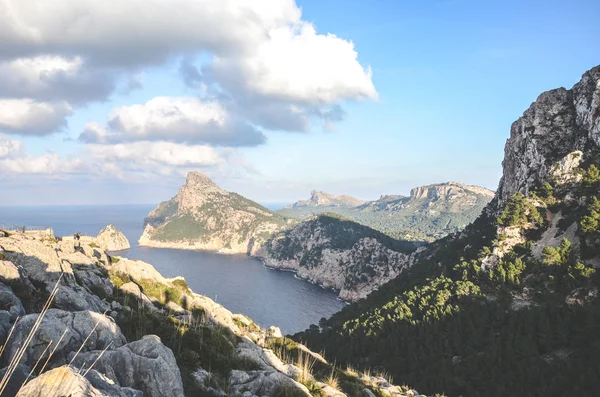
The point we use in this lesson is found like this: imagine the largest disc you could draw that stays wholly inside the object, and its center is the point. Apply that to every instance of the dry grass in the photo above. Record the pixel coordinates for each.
(305, 362)
(333, 380)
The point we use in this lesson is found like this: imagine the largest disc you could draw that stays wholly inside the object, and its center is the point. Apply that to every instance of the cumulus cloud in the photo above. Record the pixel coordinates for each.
(162, 158)
(186, 119)
(52, 78)
(27, 116)
(276, 70)
(115, 32)
(121, 160)
(13, 160)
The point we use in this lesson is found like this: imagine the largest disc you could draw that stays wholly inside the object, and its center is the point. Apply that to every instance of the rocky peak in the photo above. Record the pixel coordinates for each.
(196, 179)
(196, 190)
(112, 239)
(436, 191)
(558, 123)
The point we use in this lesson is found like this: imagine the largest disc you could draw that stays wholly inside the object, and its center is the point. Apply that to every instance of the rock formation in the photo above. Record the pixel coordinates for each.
(204, 216)
(112, 239)
(338, 253)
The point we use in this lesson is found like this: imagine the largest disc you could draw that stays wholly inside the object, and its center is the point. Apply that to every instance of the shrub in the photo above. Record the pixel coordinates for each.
(118, 278)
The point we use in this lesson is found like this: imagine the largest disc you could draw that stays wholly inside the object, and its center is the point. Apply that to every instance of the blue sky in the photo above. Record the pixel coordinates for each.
(448, 78)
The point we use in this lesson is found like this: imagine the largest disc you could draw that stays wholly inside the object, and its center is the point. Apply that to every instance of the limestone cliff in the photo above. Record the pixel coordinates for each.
(117, 328)
(204, 216)
(559, 122)
(339, 253)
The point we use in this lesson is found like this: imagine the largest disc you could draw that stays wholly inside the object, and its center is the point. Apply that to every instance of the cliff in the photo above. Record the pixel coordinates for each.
(338, 253)
(204, 216)
(76, 321)
(515, 294)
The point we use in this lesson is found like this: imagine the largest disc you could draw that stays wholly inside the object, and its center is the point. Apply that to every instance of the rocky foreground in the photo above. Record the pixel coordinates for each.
(76, 321)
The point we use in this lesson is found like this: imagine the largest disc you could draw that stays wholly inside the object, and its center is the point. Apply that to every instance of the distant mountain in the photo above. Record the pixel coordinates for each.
(429, 212)
(322, 199)
(204, 216)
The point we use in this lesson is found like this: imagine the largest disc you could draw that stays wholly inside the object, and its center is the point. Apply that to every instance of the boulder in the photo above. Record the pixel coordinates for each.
(65, 381)
(146, 365)
(10, 302)
(262, 383)
(8, 271)
(78, 324)
(274, 332)
(112, 239)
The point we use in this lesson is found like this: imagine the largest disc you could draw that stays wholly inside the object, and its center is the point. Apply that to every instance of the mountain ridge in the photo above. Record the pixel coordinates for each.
(429, 212)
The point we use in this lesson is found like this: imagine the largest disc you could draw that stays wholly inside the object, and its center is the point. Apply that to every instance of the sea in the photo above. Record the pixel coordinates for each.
(239, 283)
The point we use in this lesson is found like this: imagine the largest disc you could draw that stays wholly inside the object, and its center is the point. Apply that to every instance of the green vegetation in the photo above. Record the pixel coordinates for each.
(335, 232)
(93, 245)
(212, 217)
(519, 211)
(118, 278)
(590, 223)
(179, 228)
(114, 259)
(447, 324)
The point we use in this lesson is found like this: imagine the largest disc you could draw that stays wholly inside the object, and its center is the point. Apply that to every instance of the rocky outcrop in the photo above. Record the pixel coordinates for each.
(322, 199)
(66, 381)
(112, 239)
(145, 365)
(99, 330)
(340, 254)
(558, 123)
(206, 217)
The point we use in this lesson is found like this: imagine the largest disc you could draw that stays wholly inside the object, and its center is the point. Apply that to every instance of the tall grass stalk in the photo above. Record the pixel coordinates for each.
(306, 363)
(19, 355)
(85, 341)
(35, 366)
(53, 350)
(9, 335)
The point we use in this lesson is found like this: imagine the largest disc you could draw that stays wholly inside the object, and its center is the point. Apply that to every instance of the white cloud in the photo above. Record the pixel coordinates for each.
(276, 70)
(13, 160)
(298, 65)
(162, 158)
(10, 147)
(138, 32)
(27, 116)
(173, 119)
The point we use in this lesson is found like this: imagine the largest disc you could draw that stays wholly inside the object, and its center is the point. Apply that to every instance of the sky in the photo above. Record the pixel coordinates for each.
(114, 101)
